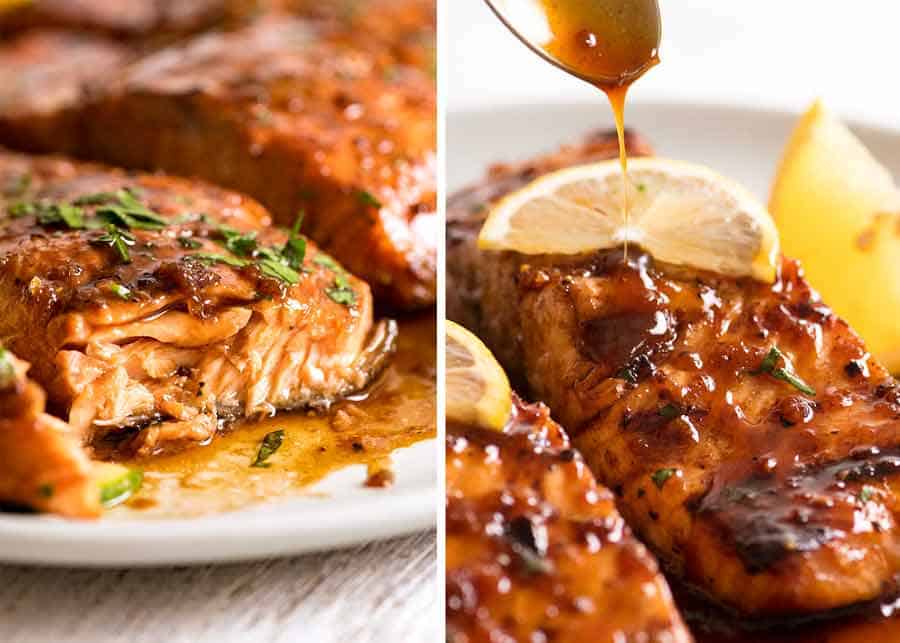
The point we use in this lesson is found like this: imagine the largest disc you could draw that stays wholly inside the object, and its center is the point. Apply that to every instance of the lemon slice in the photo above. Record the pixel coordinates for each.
(478, 391)
(679, 212)
(838, 211)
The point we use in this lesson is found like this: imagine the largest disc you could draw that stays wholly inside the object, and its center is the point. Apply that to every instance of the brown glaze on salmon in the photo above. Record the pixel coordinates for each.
(764, 477)
(292, 112)
(131, 20)
(42, 461)
(43, 73)
(171, 328)
(536, 550)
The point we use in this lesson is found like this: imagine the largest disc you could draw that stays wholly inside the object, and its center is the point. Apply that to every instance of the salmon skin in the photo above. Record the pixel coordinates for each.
(168, 307)
(303, 114)
(751, 439)
(536, 549)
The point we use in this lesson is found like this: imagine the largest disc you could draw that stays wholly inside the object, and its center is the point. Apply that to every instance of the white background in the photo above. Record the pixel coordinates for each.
(777, 53)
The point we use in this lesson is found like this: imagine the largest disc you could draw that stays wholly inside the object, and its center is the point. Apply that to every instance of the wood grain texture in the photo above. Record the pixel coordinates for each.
(378, 592)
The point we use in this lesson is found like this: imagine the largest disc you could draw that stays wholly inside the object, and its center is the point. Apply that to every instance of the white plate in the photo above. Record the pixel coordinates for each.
(339, 511)
(740, 142)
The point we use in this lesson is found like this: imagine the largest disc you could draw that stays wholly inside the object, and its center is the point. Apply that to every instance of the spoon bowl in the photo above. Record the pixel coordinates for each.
(608, 43)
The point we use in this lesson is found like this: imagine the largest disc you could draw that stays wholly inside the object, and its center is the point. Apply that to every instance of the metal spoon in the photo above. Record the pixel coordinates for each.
(608, 43)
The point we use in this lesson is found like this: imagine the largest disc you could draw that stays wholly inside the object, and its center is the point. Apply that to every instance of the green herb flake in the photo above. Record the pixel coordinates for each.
(7, 370)
(628, 375)
(368, 199)
(188, 243)
(784, 373)
(342, 292)
(120, 291)
(641, 187)
(866, 494)
(129, 212)
(659, 477)
(270, 444)
(294, 250)
(323, 259)
(238, 243)
(216, 258)
(97, 198)
(22, 209)
(121, 488)
(119, 240)
(46, 491)
(669, 411)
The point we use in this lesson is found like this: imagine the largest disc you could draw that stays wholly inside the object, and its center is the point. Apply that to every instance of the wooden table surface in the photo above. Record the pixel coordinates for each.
(374, 593)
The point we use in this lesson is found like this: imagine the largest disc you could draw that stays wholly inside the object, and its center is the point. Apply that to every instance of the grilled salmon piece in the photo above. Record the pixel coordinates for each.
(149, 302)
(536, 550)
(42, 462)
(132, 20)
(402, 29)
(43, 73)
(293, 113)
(752, 440)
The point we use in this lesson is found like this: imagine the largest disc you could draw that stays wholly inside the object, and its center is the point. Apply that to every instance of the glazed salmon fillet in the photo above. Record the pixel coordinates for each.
(161, 309)
(130, 20)
(42, 461)
(750, 438)
(291, 111)
(536, 550)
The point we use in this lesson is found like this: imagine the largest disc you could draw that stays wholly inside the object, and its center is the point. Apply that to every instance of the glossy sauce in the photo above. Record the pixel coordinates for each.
(398, 411)
(610, 44)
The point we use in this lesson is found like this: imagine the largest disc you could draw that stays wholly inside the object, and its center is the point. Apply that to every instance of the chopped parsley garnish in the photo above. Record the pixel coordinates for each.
(669, 411)
(121, 488)
(7, 370)
(127, 211)
(784, 373)
(215, 258)
(272, 264)
(628, 375)
(294, 250)
(368, 199)
(659, 477)
(866, 494)
(270, 444)
(238, 243)
(97, 198)
(50, 214)
(324, 260)
(120, 291)
(188, 243)
(46, 491)
(117, 239)
(342, 292)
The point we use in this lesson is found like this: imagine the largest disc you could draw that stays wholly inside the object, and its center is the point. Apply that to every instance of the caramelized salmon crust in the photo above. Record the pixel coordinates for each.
(536, 550)
(153, 303)
(752, 440)
(318, 115)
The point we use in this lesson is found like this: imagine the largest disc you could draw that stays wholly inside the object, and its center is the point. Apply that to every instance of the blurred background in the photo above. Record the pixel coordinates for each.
(777, 53)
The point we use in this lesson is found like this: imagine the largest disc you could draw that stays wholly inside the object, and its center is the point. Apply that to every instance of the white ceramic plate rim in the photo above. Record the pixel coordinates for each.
(284, 527)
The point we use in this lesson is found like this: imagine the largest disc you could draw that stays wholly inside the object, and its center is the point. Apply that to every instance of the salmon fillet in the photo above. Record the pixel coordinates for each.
(131, 20)
(290, 111)
(42, 462)
(536, 550)
(751, 439)
(168, 307)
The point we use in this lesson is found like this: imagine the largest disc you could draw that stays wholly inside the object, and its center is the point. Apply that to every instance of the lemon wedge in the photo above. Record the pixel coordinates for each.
(681, 213)
(838, 211)
(478, 391)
